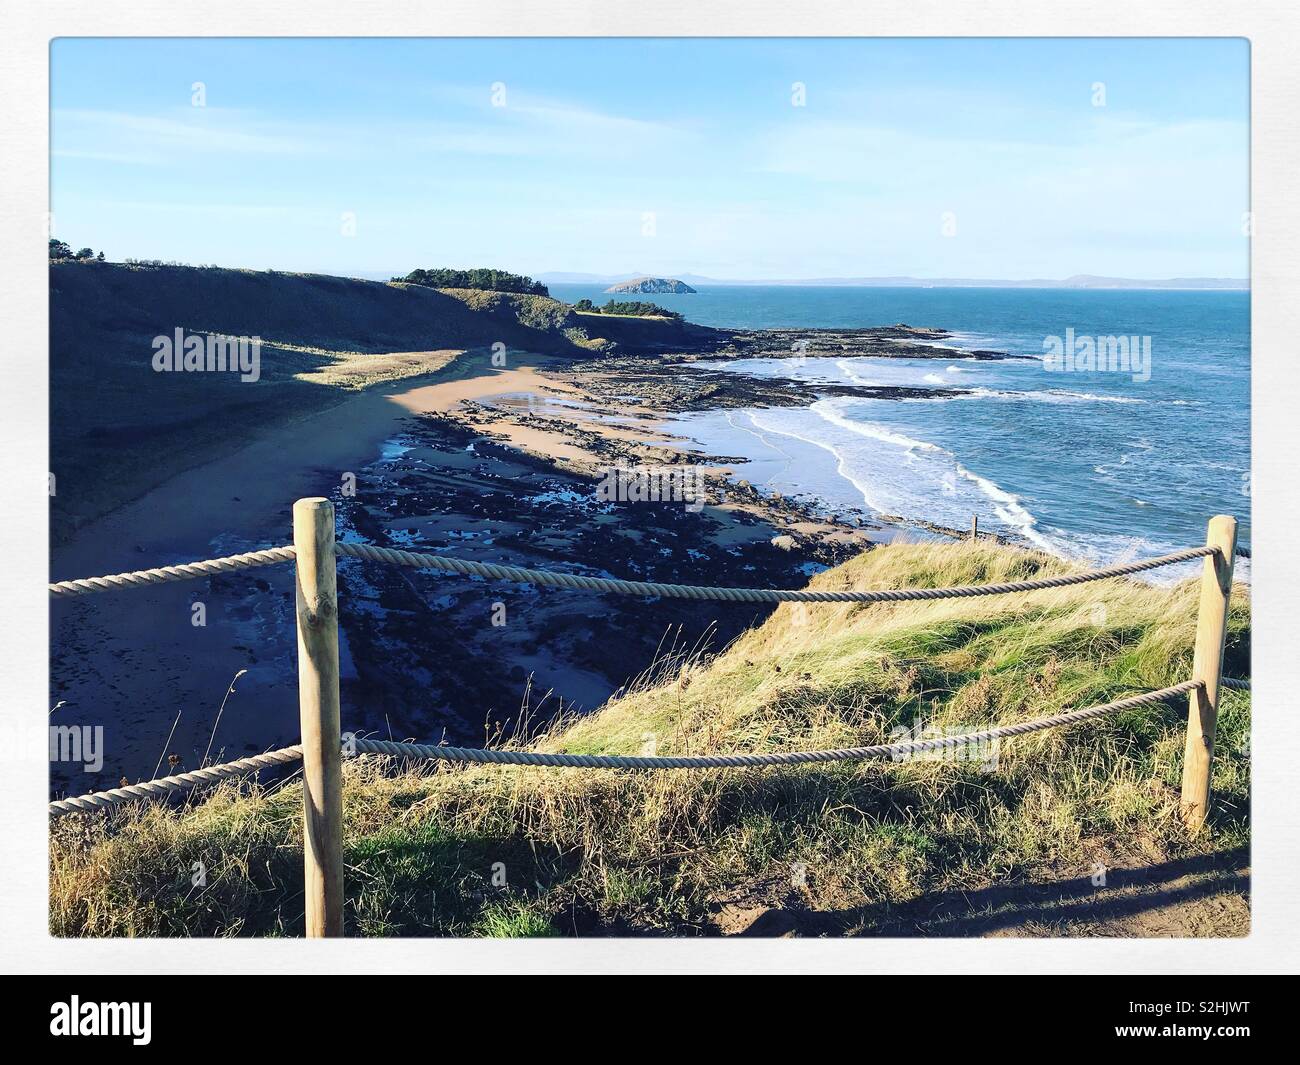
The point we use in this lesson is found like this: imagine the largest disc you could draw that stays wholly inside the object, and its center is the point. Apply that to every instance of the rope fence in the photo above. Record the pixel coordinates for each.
(575, 581)
(161, 788)
(165, 574)
(479, 755)
(315, 553)
(740, 761)
(552, 579)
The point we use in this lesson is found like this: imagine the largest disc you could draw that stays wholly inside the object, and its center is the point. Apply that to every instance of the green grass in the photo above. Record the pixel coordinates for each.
(513, 920)
(517, 851)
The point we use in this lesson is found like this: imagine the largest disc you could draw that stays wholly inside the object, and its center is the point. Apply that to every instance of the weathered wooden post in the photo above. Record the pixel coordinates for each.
(1207, 667)
(318, 708)
(974, 527)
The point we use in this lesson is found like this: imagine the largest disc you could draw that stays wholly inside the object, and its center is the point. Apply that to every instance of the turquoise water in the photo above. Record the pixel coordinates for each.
(1097, 464)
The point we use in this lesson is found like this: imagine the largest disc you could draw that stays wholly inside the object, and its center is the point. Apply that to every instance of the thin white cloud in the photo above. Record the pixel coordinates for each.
(525, 127)
(155, 137)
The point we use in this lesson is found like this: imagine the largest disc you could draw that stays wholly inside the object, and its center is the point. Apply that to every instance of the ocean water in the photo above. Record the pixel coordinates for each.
(1094, 464)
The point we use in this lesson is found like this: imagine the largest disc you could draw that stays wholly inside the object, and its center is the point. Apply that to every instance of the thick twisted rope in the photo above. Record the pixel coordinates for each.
(163, 574)
(429, 752)
(1236, 685)
(551, 579)
(726, 761)
(102, 800)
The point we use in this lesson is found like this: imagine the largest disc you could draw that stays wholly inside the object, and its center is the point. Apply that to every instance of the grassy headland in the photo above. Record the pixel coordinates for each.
(828, 849)
(118, 428)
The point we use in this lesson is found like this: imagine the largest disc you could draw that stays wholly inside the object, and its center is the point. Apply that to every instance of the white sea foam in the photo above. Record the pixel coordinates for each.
(898, 474)
(831, 411)
(883, 455)
(844, 466)
(855, 378)
(1009, 510)
(1050, 395)
(1059, 395)
(893, 473)
(756, 432)
(871, 372)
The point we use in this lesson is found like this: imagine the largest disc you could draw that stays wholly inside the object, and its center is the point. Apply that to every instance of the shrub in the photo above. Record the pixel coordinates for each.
(638, 307)
(480, 277)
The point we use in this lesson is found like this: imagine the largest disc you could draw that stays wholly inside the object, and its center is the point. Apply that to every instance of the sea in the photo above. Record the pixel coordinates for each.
(1095, 461)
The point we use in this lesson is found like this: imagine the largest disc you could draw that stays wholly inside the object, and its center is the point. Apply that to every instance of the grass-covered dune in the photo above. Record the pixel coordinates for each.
(118, 427)
(836, 848)
(317, 311)
(92, 301)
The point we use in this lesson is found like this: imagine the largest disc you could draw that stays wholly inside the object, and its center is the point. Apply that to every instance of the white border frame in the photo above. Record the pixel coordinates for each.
(1270, 25)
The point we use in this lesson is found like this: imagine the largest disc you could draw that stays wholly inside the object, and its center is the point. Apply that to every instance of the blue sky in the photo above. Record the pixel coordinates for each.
(934, 158)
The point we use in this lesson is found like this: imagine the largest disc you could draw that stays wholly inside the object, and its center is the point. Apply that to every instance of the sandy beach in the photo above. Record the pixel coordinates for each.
(476, 460)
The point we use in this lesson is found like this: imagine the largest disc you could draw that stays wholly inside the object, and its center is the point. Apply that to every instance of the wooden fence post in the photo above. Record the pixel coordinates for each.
(1207, 667)
(974, 527)
(318, 709)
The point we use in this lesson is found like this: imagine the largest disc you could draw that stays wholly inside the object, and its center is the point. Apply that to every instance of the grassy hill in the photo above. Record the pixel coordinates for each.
(833, 849)
(118, 428)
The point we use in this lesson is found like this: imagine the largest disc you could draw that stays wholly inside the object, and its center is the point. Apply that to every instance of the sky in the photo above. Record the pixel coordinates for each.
(728, 158)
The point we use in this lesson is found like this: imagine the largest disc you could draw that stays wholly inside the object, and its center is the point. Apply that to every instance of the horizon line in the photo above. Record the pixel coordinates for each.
(560, 277)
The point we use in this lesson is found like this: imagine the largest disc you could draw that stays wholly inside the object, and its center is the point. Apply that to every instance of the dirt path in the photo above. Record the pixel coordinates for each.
(1196, 897)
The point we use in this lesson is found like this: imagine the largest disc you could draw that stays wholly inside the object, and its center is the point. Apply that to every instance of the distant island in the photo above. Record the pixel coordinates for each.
(651, 284)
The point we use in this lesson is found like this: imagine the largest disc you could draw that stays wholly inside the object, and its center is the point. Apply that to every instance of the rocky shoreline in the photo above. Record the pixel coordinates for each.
(638, 382)
(889, 341)
(513, 477)
(476, 462)
(464, 659)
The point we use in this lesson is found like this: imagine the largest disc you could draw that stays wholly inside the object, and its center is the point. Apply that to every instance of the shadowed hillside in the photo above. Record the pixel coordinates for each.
(118, 428)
